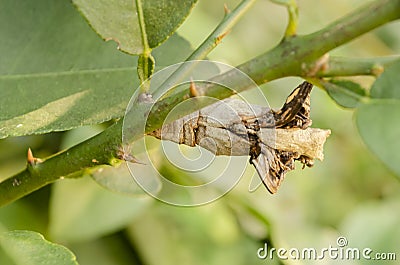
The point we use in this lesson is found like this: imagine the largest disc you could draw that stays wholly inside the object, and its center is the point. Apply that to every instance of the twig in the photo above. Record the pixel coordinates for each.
(341, 66)
(293, 12)
(284, 60)
(287, 58)
(223, 28)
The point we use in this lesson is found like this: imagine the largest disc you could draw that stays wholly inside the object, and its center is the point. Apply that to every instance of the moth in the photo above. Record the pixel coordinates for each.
(272, 164)
(272, 139)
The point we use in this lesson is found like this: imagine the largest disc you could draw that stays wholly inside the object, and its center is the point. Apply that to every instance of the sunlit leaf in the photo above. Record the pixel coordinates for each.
(30, 248)
(119, 20)
(59, 75)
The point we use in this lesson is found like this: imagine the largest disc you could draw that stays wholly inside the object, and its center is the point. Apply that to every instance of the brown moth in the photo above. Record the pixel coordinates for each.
(273, 139)
(272, 164)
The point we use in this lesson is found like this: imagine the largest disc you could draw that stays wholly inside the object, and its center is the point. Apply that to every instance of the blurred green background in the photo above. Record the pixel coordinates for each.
(349, 194)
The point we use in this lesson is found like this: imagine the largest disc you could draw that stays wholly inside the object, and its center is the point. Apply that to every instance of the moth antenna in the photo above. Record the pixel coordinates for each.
(226, 9)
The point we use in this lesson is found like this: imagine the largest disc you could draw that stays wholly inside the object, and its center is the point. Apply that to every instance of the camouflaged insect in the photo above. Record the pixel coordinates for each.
(273, 139)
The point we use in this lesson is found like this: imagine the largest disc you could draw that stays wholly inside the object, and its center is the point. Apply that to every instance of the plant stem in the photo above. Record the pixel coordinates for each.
(98, 150)
(223, 28)
(295, 56)
(341, 66)
(291, 57)
(230, 19)
(293, 12)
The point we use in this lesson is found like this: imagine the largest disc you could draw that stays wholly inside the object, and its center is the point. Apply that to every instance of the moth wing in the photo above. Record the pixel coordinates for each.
(264, 165)
(296, 110)
(257, 181)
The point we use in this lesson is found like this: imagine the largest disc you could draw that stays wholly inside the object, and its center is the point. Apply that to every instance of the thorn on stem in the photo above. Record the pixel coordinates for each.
(193, 92)
(31, 159)
(226, 9)
(220, 37)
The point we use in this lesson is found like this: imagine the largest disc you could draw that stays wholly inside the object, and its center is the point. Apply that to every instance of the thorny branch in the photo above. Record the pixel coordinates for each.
(286, 59)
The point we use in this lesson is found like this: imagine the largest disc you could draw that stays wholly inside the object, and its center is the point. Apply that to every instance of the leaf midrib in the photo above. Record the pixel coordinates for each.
(66, 73)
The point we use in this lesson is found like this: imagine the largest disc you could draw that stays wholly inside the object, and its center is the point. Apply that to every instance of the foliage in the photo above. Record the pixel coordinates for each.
(56, 74)
(27, 247)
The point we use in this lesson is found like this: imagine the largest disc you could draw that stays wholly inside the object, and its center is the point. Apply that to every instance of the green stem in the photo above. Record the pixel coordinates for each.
(210, 42)
(99, 150)
(293, 57)
(341, 66)
(230, 19)
(293, 13)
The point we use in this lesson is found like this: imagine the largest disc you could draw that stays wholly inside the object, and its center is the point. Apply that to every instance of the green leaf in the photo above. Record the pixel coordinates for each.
(60, 40)
(116, 179)
(94, 213)
(387, 84)
(345, 93)
(378, 121)
(30, 248)
(379, 127)
(50, 80)
(119, 20)
(39, 104)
